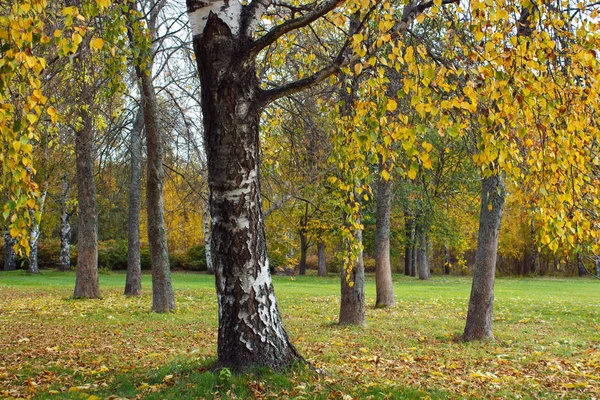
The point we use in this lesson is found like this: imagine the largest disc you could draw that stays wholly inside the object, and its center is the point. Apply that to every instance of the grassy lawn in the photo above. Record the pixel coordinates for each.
(547, 341)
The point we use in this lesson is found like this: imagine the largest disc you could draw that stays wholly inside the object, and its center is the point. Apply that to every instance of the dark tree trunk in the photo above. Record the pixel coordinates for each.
(64, 258)
(597, 267)
(10, 258)
(352, 305)
(409, 235)
(163, 297)
(86, 281)
(133, 281)
(303, 251)
(321, 258)
(303, 241)
(210, 268)
(446, 259)
(479, 317)
(383, 268)
(251, 331)
(581, 270)
(413, 263)
(423, 253)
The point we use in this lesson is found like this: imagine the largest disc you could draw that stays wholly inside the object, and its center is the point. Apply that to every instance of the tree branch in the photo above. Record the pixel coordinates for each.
(271, 36)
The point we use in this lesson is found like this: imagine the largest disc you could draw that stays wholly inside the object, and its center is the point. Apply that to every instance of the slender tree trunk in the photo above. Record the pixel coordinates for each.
(352, 305)
(133, 281)
(446, 259)
(383, 268)
(251, 331)
(581, 270)
(303, 251)
(423, 254)
(64, 258)
(10, 258)
(34, 234)
(479, 317)
(321, 258)
(86, 281)
(409, 235)
(163, 297)
(210, 268)
(414, 251)
(597, 267)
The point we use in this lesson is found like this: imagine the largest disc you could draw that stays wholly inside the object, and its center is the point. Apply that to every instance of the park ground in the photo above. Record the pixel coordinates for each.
(547, 342)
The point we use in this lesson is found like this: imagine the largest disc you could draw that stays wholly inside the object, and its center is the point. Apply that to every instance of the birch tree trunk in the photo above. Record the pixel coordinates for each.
(251, 331)
(64, 258)
(383, 268)
(34, 234)
(10, 258)
(479, 317)
(133, 281)
(210, 267)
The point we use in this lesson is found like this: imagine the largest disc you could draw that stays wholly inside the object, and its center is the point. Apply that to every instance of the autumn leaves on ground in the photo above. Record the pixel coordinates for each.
(547, 342)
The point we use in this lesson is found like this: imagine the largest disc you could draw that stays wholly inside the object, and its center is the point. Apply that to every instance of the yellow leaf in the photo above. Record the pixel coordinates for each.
(385, 175)
(412, 173)
(103, 3)
(96, 44)
(391, 105)
(357, 68)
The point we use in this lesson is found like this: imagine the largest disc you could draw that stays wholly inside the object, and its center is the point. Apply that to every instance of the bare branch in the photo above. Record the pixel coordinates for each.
(293, 24)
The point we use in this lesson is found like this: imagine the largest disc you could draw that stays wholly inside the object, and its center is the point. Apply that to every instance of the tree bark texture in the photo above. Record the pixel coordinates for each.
(64, 258)
(163, 297)
(303, 251)
(409, 234)
(581, 270)
(479, 317)
(34, 234)
(86, 281)
(210, 267)
(322, 258)
(352, 304)
(383, 268)
(251, 331)
(10, 258)
(423, 253)
(133, 281)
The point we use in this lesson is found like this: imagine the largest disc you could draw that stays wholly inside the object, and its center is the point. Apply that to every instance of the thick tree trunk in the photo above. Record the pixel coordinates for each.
(10, 258)
(251, 331)
(210, 268)
(352, 305)
(479, 317)
(133, 282)
(163, 297)
(597, 267)
(86, 281)
(383, 268)
(64, 257)
(322, 258)
(423, 253)
(409, 236)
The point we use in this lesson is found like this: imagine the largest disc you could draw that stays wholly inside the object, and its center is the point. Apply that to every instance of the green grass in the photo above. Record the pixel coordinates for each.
(547, 341)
